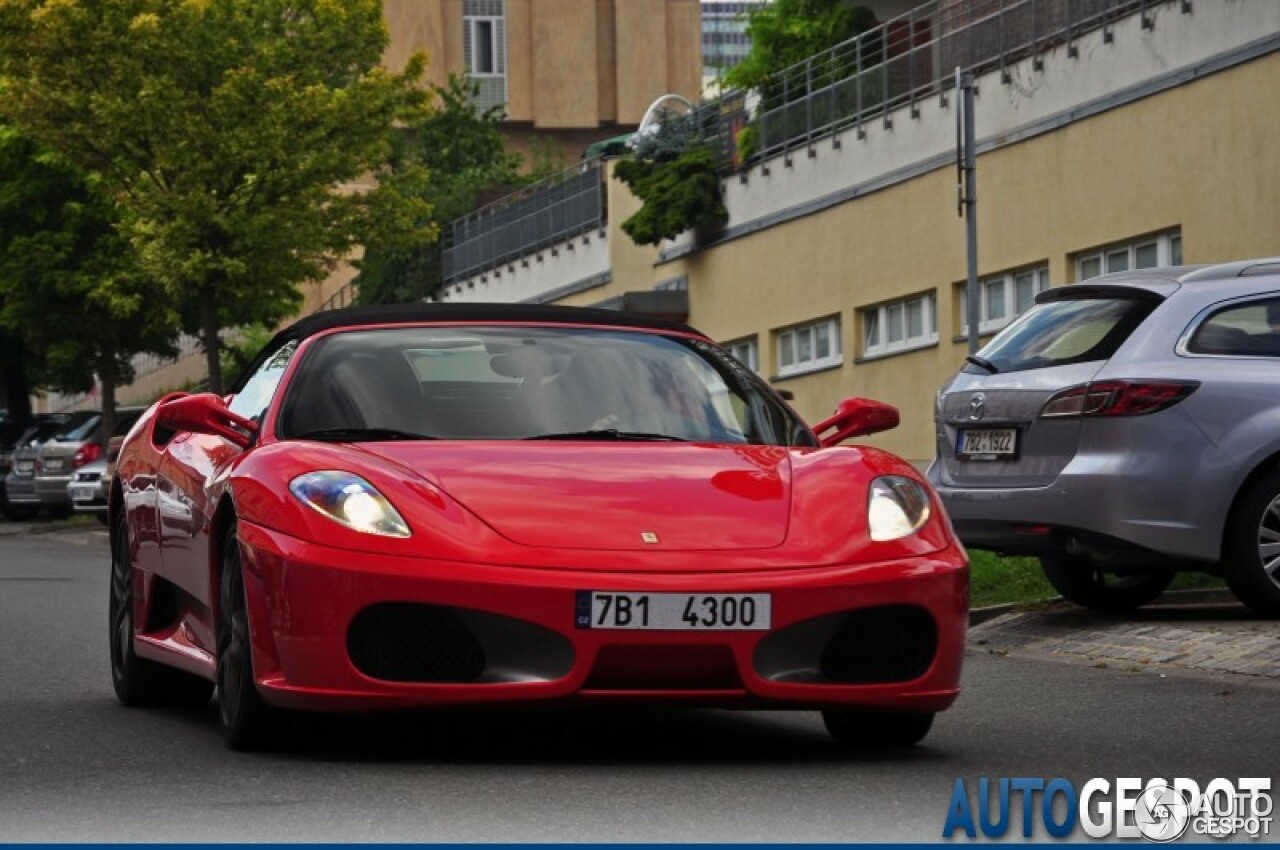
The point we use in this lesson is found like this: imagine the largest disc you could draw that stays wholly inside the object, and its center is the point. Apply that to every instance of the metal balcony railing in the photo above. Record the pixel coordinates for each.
(898, 63)
(541, 214)
(914, 56)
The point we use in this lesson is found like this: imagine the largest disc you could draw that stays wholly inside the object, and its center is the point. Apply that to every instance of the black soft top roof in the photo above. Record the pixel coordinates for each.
(391, 314)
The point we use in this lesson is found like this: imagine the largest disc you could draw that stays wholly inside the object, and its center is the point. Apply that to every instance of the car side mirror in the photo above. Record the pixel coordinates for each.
(206, 413)
(856, 417)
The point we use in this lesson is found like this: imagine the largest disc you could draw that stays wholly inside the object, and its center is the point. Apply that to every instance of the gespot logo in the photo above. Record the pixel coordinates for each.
(1158, 810)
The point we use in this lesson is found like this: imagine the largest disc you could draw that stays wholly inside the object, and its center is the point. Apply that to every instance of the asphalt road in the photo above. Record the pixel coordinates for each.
(75, 766)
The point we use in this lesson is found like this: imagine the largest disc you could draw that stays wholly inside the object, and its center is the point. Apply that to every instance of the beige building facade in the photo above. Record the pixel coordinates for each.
(840, 272)
(571, 70)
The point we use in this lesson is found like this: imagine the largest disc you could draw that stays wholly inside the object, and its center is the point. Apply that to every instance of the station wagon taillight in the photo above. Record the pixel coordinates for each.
(1117, 398)
(85, 454)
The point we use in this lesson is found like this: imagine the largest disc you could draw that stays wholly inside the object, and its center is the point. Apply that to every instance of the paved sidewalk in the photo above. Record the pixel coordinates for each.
(1212, 637)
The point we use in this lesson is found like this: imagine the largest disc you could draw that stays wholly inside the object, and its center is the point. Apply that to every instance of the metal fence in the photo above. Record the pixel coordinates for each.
(898, 63)
(344, 297)
(914, 56)
(541, 214)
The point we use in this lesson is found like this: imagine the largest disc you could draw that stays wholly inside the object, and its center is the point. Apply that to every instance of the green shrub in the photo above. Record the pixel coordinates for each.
(677, 194)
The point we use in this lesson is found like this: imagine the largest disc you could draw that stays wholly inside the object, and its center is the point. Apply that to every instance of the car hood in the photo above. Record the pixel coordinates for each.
(614, 496)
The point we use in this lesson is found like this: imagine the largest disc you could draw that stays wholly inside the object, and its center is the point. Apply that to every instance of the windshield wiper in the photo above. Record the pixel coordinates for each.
(610, 434)
(356, 435)
(981, 363)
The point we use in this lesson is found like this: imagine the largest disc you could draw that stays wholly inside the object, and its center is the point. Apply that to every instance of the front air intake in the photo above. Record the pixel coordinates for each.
(890, 643)
(406, 642)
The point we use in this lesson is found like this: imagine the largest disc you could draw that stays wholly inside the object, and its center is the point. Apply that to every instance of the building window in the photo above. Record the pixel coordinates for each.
(746, 351)
(1003, 297)
(1149, 252)
(899, 325)
(484, 50)
(807, 347)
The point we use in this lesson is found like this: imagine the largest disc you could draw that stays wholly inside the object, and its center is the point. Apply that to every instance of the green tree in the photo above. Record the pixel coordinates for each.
(71, 290)
(462, 153)
(786, 32)
(230, 132)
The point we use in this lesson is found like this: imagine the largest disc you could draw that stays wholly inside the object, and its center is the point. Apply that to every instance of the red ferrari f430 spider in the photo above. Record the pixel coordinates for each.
(460, 504)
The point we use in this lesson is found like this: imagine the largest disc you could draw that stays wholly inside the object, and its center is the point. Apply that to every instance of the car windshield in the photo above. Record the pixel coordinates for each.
(1062, 332)
(505, 383)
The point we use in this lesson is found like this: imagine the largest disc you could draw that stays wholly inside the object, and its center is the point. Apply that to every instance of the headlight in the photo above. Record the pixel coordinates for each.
(897, 507)
(350, 500)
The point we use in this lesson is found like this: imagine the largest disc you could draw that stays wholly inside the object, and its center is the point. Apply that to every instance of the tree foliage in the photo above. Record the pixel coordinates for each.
(786, 32)
(462, 152)
(71, 289)
(678, 192)
(230, 133)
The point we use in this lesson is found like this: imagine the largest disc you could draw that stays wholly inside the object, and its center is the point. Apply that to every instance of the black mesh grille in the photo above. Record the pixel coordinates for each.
(893, 643)
(403, 642)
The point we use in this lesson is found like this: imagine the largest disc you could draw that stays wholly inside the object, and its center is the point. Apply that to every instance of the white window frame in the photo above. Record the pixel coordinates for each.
(881, 345)
(746, 350)
(497, 42)
(1008, 282)
(1168, 247)
(788, 340)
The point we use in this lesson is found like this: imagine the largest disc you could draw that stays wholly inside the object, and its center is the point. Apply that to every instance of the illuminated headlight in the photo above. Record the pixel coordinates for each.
(897, 507)
(350, 500)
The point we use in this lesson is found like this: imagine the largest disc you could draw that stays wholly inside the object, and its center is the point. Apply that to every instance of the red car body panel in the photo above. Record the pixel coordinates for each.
(516, 529)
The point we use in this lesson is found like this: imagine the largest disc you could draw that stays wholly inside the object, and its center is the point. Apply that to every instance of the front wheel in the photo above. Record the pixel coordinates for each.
(863, 729)
(1252, 547)
(1084, 582)
(247, 721)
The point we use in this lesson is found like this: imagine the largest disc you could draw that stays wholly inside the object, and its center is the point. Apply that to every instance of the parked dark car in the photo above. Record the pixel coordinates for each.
(19, 497)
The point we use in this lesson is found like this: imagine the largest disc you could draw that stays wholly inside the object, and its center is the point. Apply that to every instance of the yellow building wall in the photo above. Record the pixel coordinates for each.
(570, 63)
(1201, 157)
(564, 69)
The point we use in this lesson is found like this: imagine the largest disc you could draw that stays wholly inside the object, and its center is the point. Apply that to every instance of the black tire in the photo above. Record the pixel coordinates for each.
(1083, 582)
(18, 513)
(1252, 573)
(61, 511)
(140, 681)
(248, 723)
(863, 729)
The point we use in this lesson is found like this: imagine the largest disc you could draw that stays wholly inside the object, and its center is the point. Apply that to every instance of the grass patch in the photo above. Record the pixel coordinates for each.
(994, 580)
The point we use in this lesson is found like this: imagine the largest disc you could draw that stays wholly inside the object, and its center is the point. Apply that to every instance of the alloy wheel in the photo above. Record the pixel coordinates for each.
(1269, 541)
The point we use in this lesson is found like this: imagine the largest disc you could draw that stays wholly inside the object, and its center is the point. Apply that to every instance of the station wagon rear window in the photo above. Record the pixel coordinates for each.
(1065, 331)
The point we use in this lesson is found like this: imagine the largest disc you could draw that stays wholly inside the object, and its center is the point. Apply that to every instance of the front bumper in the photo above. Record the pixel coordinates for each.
(304, 597)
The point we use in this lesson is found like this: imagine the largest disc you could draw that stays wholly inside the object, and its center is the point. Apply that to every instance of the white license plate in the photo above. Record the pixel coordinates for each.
(83, 494)
(53, 464)
(675, 612)
(987, 444)
(24, 466)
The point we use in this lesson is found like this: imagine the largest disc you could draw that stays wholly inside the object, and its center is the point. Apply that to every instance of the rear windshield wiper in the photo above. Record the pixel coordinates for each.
(355, 435)
(981, 363)
(609, 434)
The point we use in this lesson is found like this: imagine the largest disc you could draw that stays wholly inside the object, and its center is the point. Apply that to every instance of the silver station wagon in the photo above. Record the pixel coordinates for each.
(1123, 429)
